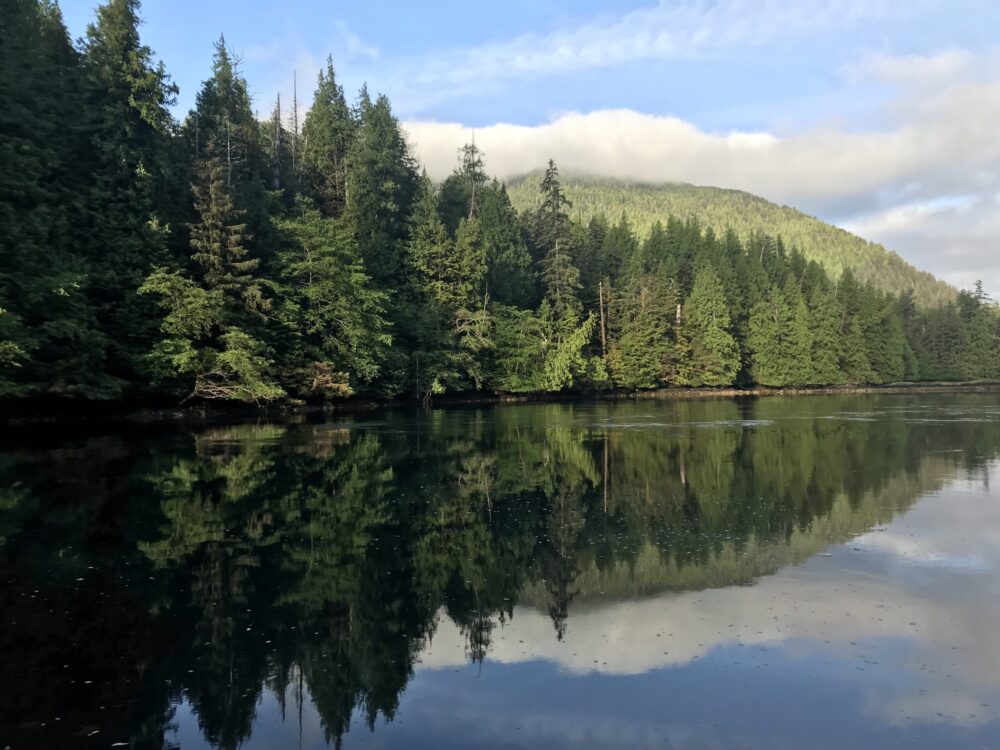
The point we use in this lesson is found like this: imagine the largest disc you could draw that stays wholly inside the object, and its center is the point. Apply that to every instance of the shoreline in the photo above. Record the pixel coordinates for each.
(151, 413)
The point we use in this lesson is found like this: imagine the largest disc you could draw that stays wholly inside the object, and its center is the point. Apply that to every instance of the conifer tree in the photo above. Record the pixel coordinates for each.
(825, 315)
(770, 328)
(655, 251)
(432, 252)
(978, 356)
(780, 339)
(854, 353)
(714, 356)
(551, 230)
(510, 276)
(327, 134)
(641, 347)
(50, 341)
(222, 128)
(329, 305)
(462, 192)
(853, 357)
(381, 186)
(126, 100)
(208, 344)
(278, 150)
(800, 336)
(219, 241)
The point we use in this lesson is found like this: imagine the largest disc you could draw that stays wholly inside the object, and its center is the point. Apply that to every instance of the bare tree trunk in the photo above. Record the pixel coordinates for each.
(276, 146)
(229, 156)
(472, 200)
(604, 333)
(605, 472)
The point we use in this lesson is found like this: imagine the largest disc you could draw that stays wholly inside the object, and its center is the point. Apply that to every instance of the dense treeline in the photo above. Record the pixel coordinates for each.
(835, 249)
(238, 258)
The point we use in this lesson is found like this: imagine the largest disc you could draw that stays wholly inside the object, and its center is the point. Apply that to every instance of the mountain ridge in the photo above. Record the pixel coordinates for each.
(644, 202)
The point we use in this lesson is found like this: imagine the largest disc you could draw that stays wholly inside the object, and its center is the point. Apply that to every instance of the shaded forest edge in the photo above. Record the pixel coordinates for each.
(152, 411)
(279, 262)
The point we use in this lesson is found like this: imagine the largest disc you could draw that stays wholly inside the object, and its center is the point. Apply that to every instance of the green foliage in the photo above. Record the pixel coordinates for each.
(714, 356)
(835, 249)
(521, 342)
(825, 324)
(329, 304)
(552, 235)
(199, 351)
(462, 191)
(327, 134)
(567, 361)
(229, 257)
(52, 339)
(781, 340)
(219, 241)
(641, 346)
(510, 276)
(126, 103)
(382, 183)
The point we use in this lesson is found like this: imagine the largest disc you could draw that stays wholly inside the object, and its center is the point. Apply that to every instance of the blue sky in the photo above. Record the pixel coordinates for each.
(780, 79)
(863, 112)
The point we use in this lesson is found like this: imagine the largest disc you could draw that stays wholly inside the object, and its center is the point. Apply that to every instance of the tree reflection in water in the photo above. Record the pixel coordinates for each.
(148, 568)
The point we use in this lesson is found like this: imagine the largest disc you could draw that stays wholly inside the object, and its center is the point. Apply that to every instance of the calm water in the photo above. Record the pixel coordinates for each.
(779, 573)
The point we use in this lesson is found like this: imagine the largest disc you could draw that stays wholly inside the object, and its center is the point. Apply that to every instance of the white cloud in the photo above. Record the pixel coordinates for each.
(672, 29)
(909, 69)
(351, 44)
(826, 604)
(959, 240)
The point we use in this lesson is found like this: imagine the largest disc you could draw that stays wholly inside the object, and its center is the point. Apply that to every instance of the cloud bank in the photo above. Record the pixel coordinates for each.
(925, 182)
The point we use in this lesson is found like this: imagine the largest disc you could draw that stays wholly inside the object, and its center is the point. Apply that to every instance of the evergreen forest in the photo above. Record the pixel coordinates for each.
(256, 258)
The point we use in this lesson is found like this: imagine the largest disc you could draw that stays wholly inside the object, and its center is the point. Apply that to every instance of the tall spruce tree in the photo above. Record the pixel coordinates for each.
(461, 193)
(382, 183)
(780, 339)
(219, 241)
(552, 235)
(510, 276)
(641, 348)
(278, 144)
(770, 328)
(327, 134)
(825, 315)
(209, 344)
(222, 128)
(127, 100)
(714, 355)
(800, 336)
(50, 342)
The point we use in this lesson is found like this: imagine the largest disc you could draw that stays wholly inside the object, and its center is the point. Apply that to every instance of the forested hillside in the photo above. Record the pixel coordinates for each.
(833, 248)
(224, 257)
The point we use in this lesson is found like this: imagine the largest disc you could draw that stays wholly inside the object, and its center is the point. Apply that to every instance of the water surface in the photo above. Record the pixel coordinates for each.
(777, 573)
